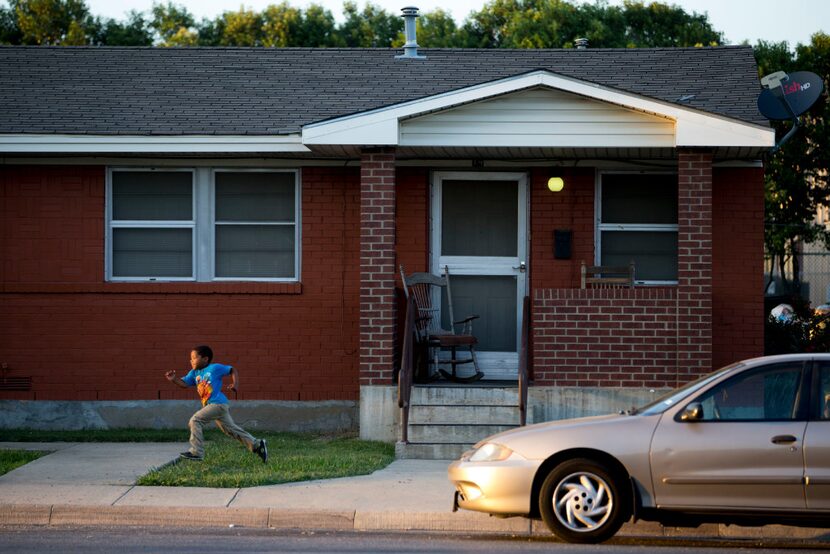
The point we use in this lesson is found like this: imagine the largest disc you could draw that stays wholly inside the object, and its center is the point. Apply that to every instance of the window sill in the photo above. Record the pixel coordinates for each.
(225, 287)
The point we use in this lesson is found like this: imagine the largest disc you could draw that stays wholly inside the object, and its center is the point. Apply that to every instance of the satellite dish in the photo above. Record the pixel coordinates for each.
(788, 96)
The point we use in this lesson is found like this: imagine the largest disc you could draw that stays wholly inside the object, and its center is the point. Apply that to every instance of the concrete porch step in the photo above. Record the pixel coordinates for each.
(464, 396)
(447, 433)
(420, 451)
(470, 414)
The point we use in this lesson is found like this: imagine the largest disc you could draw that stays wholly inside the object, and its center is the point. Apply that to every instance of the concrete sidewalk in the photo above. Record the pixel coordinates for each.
(93, 484)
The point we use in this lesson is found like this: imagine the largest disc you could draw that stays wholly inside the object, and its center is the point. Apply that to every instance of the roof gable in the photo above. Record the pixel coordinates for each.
(385, 126)
(538, 117)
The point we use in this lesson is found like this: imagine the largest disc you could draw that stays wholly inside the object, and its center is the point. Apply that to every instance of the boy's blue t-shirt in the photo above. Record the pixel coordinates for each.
(208, 383)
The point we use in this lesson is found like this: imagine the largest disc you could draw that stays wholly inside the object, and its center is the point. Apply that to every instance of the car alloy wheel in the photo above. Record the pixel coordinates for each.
(582, 501)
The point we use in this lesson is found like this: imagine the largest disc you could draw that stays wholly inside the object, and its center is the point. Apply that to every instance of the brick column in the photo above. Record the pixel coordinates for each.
(694, 263)
(377, 266)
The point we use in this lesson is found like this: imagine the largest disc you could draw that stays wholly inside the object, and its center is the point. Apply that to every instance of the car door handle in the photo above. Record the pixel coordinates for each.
(783, 439)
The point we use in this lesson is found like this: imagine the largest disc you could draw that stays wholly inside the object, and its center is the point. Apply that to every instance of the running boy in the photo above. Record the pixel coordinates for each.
(207, 378)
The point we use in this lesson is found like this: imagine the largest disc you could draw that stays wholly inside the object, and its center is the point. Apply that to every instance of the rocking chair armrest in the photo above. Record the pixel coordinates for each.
(466, 320)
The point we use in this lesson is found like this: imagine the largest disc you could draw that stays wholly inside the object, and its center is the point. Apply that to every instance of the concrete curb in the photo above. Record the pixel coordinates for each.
(321, 520)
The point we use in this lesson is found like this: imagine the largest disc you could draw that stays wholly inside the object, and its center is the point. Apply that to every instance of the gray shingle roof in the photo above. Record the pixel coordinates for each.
(242, 91)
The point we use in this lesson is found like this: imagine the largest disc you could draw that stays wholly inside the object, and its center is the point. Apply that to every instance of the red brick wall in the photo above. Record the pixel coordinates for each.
(694, 263)
(412, 216)
(377, 266)
(737, 265)
(83, 339)
(655, 337)
(572, 208)
(605, 337)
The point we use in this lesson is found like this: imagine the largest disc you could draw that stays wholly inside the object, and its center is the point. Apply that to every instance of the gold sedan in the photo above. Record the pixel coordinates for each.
(749, 444)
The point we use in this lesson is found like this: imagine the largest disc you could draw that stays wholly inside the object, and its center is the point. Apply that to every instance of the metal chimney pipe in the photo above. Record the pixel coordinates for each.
(410, 49)
(581, 43)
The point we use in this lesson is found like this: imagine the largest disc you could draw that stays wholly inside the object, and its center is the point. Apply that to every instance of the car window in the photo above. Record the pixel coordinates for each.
(671, 398)
(824, 391)
(765, 393)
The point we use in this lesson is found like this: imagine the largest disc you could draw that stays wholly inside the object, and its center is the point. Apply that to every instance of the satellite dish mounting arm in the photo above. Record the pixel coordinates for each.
(775, 83)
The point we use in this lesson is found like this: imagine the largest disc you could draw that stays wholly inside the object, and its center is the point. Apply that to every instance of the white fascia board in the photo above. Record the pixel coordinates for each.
(693, 127)
(96, 144)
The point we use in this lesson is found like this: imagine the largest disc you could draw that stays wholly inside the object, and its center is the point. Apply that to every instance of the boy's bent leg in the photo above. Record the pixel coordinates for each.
(197, 422)
(230, 428)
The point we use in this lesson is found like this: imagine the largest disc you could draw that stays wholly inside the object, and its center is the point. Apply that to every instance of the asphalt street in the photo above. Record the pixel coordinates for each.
(98, 539)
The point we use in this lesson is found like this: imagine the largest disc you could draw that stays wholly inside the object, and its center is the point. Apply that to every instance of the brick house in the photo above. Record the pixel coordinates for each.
(262, 200)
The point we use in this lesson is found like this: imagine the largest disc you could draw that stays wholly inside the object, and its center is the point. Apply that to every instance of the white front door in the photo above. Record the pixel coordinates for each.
(479, 231)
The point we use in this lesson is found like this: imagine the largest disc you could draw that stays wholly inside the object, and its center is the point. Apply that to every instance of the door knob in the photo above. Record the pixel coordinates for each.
(522, 267)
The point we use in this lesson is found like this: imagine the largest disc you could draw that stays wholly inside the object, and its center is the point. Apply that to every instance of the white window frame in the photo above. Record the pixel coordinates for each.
(295, 223)
(202, 223)
(145, 224)
(600, 226)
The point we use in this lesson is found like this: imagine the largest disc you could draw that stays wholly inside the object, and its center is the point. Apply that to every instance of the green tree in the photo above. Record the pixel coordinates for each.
(135, 31)
(796, 182)
(557, 23)
(9, 31)
(435, 29)
(317, 28)
(50, 21)
(371, 28)
(281, 25)
(663, 25)
(173, 24)
(241, 28)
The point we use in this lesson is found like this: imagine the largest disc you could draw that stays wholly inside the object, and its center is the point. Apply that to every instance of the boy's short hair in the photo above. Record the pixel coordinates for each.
(204, 352)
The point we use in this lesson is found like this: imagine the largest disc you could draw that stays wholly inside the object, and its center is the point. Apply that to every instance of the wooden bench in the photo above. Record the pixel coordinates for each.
(607, 276)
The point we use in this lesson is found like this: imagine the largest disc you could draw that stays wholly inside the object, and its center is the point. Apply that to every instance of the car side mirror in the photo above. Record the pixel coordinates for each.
(693, 412)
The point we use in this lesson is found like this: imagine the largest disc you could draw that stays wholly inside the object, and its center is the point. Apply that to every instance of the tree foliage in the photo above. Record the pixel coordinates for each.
(796, 176)
(498, 24)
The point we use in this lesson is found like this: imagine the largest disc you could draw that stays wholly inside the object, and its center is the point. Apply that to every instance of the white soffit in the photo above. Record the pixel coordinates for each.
(95, 144)
(382, 127)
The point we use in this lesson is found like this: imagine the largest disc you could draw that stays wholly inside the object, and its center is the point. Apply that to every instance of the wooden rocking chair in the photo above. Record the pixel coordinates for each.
(431, 336)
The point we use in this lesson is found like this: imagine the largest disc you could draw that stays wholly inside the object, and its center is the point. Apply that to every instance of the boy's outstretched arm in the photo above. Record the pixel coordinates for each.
(234, 384)
(171, 376)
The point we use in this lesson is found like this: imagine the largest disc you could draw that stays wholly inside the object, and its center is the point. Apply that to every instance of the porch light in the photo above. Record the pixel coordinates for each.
(556, 184)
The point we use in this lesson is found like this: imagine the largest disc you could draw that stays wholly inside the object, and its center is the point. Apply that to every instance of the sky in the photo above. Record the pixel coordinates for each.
(793, 21)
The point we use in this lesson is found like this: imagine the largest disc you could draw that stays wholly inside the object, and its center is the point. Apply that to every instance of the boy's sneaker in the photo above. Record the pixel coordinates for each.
(190, 456)
(262, 451)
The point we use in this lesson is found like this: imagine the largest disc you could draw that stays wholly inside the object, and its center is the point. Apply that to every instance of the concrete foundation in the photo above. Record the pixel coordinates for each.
(326, 416)
(379, 413)
(552, 403)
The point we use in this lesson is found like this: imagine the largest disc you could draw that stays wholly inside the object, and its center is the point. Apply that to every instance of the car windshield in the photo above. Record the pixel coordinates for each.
(671, 398)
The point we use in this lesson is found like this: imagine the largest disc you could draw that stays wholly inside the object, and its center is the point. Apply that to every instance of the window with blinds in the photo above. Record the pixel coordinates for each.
(638, 221)
(203, 224)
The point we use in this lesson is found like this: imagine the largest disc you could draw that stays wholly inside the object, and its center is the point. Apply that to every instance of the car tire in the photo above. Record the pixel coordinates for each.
(582, 501)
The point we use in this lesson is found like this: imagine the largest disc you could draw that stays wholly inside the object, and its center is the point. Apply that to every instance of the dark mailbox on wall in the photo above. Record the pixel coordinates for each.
(562, 244)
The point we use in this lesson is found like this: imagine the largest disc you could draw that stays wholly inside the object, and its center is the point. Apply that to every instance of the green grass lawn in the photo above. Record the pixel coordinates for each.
(11, 459)
(291, 456)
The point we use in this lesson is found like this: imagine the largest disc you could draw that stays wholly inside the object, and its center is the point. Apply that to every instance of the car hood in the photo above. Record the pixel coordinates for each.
(615, 433)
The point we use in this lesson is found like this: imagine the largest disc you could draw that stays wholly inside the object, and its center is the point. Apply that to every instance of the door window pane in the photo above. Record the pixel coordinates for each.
(152, 196)
(768, 393)
(493, 298)
(654, 253)
(152, 252)
(479, 218)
